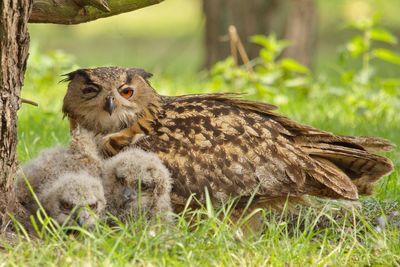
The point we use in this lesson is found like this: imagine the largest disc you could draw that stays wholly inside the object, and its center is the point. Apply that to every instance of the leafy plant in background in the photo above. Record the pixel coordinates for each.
(44, 68)
(37, 124)
(366, 89)
(275, 72)
(43, 76)
(272, 76)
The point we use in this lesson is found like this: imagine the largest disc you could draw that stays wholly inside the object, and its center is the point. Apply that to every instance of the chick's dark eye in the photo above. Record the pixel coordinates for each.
(93, 206)
(143, 186)
(126, 92)
(66, 206)
(90, 89)
(121, 179)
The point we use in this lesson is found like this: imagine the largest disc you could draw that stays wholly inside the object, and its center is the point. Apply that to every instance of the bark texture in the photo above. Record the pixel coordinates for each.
(249, 17)
(301, 30)
(14, 44)
(78, 11)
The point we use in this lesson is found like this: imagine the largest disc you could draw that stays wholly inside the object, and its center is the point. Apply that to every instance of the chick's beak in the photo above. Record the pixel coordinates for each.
(109, 105)
(128, 195)
(83, 217)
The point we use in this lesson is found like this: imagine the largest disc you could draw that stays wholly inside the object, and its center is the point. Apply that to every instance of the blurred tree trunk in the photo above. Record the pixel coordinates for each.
(259, 17)
(300, 29)
(14, 45)
(250, 17)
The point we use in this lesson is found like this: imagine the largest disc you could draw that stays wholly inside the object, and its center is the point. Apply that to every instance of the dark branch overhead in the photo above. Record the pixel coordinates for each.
(78, 11)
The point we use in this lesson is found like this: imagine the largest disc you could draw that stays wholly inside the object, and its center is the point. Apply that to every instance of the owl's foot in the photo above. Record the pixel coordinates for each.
(114, 143)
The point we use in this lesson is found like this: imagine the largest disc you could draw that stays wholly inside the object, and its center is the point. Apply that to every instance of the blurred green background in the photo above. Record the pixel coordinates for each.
(168, 38)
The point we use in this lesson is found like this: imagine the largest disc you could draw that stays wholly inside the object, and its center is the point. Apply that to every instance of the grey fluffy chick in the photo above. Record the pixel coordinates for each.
(81, 162)
(74, 198)
(137, 183)
(54, 162)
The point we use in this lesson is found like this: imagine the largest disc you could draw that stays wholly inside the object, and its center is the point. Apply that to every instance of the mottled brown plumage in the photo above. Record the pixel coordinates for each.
(223, 143)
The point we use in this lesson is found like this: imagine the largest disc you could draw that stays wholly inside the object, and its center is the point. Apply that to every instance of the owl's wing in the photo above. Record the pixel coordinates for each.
(233, 147)
(351, 155)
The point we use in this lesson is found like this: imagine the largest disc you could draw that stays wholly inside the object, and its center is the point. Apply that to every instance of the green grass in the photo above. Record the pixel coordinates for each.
(213, 242)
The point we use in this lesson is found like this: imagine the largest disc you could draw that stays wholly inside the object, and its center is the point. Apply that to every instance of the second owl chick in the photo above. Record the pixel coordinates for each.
(74, 198)
(52, 163)
(64, 180)
(137, 183)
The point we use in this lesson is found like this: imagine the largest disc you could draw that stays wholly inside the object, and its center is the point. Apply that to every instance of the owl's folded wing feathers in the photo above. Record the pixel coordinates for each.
(234, 146)
(351, 156)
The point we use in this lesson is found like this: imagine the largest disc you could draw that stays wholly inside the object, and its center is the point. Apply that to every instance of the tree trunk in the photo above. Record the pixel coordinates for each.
(14, 44)
(250, 17)
(301, 31)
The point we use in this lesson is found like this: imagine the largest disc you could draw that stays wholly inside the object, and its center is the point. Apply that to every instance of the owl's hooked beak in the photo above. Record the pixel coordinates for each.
(109, 105)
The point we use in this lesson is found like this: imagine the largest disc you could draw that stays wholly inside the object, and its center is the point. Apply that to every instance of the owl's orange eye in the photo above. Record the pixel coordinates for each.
(127, 92)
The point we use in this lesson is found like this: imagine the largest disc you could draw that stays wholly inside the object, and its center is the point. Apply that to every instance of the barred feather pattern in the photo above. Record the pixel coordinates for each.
(233, 147)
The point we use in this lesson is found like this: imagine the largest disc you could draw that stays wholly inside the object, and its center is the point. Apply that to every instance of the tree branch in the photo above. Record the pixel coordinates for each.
(78, 11)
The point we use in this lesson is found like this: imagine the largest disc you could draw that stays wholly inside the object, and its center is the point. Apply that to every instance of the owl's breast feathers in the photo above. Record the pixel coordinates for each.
(233, 147)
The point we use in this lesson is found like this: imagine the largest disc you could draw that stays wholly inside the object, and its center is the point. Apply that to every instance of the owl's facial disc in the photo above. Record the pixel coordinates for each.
(106, 100)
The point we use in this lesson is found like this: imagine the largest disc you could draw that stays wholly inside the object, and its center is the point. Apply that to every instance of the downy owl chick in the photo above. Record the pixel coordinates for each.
(52, 163)
(74, 198)
(137, 183)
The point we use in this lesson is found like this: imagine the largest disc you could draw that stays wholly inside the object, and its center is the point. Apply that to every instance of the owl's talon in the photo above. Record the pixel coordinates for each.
(106, 147)
(114, 143)
(108, 150)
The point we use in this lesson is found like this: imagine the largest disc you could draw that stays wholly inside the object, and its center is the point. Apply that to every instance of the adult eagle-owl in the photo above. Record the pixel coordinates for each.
(220, 142)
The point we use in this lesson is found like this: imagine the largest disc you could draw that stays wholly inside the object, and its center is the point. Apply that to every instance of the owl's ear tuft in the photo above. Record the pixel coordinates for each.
(71, 75)
(146, 75)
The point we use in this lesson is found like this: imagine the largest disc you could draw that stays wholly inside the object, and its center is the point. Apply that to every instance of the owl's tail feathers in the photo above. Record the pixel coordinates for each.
(352, 169)
(370, 144)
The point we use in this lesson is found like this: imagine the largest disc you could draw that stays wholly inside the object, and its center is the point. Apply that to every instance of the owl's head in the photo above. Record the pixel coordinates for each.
(107, 99)
(74, 198)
